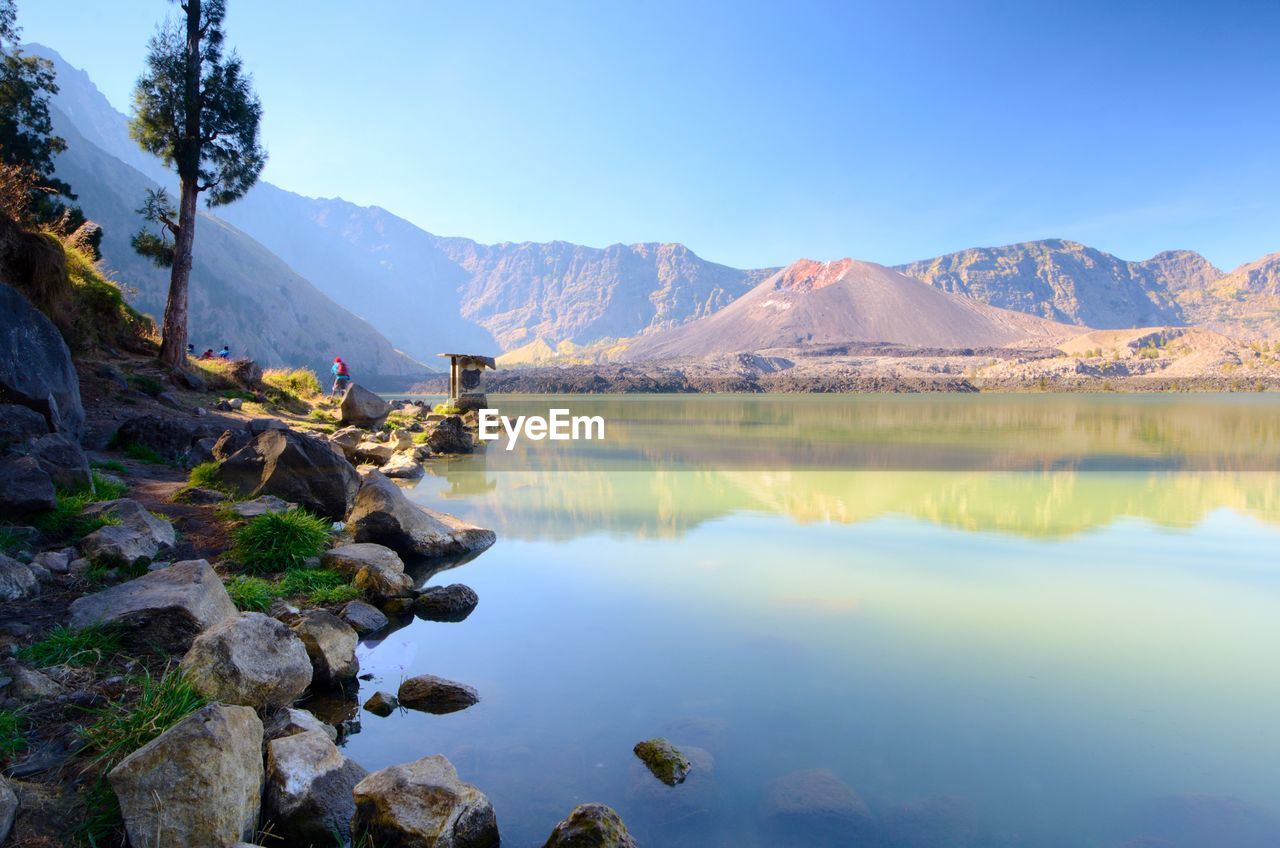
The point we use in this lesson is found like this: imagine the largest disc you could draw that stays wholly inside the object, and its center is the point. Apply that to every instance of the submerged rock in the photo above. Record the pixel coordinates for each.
(166, 608)
(591, 826)
(664, 760)
(197, 784)
(252, 660)
(815, 807)
(382, 514)
(423, 804)
(307, 799)
(433, 694)
(446, 603)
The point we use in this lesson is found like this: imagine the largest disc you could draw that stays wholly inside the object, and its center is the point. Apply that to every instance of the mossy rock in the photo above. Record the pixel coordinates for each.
(664, 760)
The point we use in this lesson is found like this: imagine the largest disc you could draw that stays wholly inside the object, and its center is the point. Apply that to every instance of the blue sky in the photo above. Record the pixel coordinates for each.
(757, 133)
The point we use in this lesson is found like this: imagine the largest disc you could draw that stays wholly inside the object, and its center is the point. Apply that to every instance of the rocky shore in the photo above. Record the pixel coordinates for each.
(189, 562)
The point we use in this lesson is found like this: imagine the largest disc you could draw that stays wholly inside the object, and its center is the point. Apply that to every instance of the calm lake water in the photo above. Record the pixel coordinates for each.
(1001, 621)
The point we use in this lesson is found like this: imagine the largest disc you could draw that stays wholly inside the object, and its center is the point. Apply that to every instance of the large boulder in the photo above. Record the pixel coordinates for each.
(296, 467)
(197, 784)
(117, 546)
(446, 603)
(35, 365)
(450, 436)
(436, 695)
(591, 826)
(423, 804)
(251, 659)
(331, 644)
(18, 424)
(382, 514)
(17, 581)
(63, 460)
(307, 798)
(815, 807)
(129, 513)
(170, 437)
(167, 608)
(362, 408)
(25, 487)
(376, 570)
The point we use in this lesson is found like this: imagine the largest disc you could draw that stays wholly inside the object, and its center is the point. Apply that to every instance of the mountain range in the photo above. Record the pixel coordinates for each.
(311, 265)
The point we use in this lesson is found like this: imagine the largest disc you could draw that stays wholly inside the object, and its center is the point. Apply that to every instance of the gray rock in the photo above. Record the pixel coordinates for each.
(374, 569)
(135, 516)
(261, 506)
(445, 603)
(381, 704)
(401, 439)
(432, 694)
(262, 425)
(170, 400)
(113, 375)
(25, 487)
(347, 439)
(63, 460)
(35, 365)
(331, 644)
(118, 547)
(200, 452)
(450, 436)
(363, 618)
(591, 826)
(166, 608)
(170, 437)
(816, 808)
(17, 581)
(197, 784)
(202, 496)
(190, 379)
(382, 514)
(296, 467)
(423, 804)
(403, 466)
(663, 760)
(251, 659)
(362, 408)
(8, 809)
(308, 797)
(30, 685)
(290, 720)
(19, 424)
(57, 562)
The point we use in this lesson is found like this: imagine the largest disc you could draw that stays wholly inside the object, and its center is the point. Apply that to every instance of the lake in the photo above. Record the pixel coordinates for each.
(1028, 620)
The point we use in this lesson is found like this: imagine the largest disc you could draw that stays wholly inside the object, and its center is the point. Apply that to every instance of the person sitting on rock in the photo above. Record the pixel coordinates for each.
(225, 353)
(341, 376)
(208, 353)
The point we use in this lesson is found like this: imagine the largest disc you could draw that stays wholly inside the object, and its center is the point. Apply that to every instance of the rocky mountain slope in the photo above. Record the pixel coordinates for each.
(809, 304)
(1243, 303)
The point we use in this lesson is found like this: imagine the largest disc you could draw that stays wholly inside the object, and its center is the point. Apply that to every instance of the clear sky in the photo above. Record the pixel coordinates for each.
(757, 133)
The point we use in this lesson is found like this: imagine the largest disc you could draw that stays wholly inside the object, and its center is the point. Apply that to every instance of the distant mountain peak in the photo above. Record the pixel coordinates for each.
(806, 275)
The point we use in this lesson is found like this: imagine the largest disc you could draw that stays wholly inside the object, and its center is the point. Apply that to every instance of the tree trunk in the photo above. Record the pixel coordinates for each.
(173, 347)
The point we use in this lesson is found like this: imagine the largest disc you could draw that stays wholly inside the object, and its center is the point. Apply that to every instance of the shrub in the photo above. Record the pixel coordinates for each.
(12, 737)
(205, 476)
(251, 594)
(86, 647)
(299, 382)
(142, 453)
(123, 726)
(11, 541)
(278, 541)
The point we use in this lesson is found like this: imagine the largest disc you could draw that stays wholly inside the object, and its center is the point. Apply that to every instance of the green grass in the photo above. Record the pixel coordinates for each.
(13, 739)
(298, 382)
(317, 585)
(205, 476)
(279, 541)
(123, 726)
(108, 490)
(102, 823)
(142, 453)
(252, 594)
(86, 647)
(65, 521)
(11, 541)
(109, 465)
(445, 409)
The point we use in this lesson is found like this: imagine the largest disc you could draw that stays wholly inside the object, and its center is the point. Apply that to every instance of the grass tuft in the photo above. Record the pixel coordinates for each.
(123, 726)
(148, 385)
(86, 647)
(251, 594)
(317, 585)
(279, 541)
(65, 520)
(142, 453)
(109, 465)
(299, 382)
(13, 738)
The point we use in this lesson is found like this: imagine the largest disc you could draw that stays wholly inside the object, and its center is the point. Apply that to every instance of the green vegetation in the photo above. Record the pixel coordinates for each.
(65, 520)
(109, 465)
(12, 733)
(1149, 351)
(99, 313)
(147, 384)
(251, 594)
(86, 647)
(446, 409)
(11, 541)
(299, 382)
(279, 541)
(205, 476)
(125, 725)
(107, 490)
(317, 585)
(142, 453)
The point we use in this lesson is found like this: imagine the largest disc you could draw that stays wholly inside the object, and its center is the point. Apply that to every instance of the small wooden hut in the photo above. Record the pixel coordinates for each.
(466, 379)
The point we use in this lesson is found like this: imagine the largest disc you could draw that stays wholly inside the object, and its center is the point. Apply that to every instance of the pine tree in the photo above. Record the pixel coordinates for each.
(195, 108)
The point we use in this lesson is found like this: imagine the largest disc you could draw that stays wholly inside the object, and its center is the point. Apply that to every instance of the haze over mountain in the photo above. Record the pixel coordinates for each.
(810, 304)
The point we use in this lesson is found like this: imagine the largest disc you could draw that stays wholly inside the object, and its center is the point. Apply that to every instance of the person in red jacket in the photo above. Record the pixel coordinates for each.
(341, 376)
